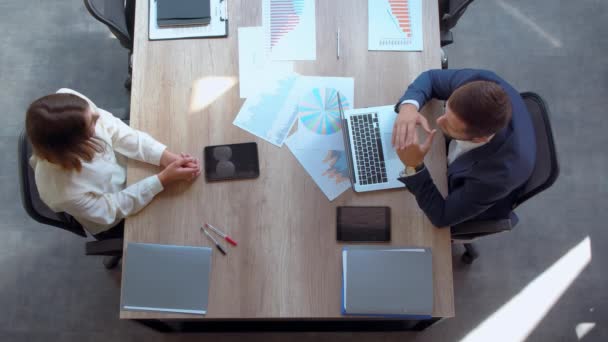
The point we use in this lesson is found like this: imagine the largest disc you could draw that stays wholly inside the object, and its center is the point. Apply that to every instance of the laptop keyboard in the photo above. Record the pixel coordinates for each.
(368, 149)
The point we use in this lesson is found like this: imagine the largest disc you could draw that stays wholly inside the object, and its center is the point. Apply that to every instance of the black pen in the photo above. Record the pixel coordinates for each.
(217, 244)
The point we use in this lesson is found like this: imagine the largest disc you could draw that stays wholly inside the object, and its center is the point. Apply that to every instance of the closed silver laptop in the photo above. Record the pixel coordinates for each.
(166, 278)
(387, 281)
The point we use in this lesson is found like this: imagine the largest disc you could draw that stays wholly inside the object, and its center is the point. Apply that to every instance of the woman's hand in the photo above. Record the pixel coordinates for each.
(184, 168)
(169, 157)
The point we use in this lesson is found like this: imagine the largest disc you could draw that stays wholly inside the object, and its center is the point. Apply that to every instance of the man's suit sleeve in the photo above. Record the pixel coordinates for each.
(440, 84)
(460, 205)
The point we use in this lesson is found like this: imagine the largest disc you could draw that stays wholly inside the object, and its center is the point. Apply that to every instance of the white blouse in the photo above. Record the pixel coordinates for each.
(96, 196)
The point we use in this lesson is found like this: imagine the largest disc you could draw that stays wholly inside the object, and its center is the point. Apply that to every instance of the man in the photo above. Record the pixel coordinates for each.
(491, 150)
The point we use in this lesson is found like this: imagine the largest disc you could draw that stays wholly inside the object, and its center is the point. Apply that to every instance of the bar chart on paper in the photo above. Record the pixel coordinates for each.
(289, 27)
(395, 25)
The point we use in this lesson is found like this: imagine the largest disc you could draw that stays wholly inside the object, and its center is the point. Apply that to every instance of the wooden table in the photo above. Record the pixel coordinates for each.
(287, 266)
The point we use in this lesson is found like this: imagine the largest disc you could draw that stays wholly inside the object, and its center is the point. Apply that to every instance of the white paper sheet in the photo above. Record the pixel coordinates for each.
(255, 64)
(216, 28)
(271, 112)
(395, 25)
(289, 27)
(328, 167)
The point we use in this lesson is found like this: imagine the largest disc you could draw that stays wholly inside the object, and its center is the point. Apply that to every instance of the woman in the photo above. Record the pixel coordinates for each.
(77, 170)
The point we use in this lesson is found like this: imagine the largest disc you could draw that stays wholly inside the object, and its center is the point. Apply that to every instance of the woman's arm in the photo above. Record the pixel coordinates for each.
(107, 208)
(131, 142)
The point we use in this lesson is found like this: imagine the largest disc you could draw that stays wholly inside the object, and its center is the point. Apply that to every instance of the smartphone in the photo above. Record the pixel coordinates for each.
(230, 162)
(364, 224)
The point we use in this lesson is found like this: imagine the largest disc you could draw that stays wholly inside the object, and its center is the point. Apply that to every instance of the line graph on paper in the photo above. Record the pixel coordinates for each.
(395, 25)
(290, 29)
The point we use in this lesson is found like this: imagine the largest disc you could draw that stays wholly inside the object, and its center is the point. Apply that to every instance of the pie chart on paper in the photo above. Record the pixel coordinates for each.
(319, 110)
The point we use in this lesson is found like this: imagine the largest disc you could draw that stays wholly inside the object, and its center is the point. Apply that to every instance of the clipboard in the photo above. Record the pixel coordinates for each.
(217, 28)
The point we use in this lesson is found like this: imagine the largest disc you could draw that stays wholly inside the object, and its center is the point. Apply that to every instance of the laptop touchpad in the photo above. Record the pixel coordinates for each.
(389, 150)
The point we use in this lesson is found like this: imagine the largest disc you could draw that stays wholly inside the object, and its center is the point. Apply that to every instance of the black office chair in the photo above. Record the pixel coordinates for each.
(450, 12)
(544, 174)
(119, 17)
(40, 212)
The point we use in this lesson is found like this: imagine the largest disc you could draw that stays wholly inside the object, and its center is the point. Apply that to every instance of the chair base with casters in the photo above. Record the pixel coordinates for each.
(41, 213)
(544, 174)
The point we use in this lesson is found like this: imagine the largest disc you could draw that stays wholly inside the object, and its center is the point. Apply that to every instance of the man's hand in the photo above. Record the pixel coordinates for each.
(414, 154)
(184, 168)
(404, 130)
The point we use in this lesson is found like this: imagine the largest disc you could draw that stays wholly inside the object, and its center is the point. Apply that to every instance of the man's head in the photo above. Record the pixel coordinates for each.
(476, 111)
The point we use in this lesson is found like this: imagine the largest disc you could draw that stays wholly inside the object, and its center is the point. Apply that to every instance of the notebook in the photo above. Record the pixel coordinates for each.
(166, 278)
(381, 281)
(183, 12)
(216, 27)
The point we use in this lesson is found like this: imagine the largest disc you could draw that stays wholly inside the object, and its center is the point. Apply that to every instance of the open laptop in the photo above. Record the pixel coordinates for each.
(372, 160)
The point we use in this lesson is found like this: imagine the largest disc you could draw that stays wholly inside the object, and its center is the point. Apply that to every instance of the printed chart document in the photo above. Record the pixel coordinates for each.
(270, 112)
(289, 27)
(318, 144)
(328, 167)
(255, 63)
(218, 27)
(395, 25)
(319, 125)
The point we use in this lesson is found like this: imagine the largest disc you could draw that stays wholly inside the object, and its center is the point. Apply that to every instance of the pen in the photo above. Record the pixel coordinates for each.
(217, 244)
(338, 43)
(222, 234)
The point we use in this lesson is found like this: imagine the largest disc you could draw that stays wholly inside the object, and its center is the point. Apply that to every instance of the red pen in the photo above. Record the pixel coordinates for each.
(222, 234)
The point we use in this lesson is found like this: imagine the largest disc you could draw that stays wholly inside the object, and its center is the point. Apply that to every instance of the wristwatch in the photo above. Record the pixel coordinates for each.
(410, 170)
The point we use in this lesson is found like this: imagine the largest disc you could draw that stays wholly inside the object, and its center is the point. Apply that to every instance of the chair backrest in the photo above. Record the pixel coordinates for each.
(30, 198)
(546, 168)
(450, 12)
(113, 13)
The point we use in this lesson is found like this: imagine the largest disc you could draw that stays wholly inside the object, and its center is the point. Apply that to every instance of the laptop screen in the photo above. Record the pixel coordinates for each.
(345, 135)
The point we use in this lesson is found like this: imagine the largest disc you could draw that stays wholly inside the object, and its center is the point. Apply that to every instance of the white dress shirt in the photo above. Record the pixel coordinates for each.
(96, 196)
(460, 147)
(457, 147)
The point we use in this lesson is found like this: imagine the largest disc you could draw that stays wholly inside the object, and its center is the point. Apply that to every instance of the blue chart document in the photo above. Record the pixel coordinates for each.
(395, 25)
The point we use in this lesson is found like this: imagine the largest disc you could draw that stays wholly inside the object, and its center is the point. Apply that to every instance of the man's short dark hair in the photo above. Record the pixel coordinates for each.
(483, 106)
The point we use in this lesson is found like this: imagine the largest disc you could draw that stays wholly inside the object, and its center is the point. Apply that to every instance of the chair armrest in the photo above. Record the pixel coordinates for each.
(111, 247)
(479, 228)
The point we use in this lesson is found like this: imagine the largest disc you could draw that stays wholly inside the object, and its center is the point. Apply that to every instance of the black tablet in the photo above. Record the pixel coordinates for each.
(364, 224)
(235, 161)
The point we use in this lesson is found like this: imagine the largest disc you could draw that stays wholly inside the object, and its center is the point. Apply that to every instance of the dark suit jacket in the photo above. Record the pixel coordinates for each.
(484, 182)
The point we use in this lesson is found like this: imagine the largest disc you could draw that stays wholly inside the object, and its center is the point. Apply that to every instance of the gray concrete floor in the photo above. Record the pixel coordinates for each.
(50, 291)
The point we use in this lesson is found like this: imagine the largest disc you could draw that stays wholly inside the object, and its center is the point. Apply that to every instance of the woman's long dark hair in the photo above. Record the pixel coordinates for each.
(59, 132)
